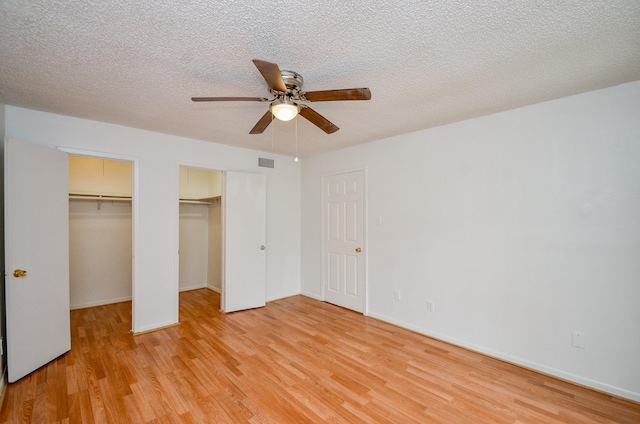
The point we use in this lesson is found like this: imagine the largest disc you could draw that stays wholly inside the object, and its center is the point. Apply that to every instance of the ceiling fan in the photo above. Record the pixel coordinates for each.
(288, 99)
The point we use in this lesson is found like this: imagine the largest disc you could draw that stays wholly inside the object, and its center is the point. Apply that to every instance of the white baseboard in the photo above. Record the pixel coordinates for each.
(100, 303)
(150, 328)
(312, 296)
(543, 369)
(192, 287)
(282, 296)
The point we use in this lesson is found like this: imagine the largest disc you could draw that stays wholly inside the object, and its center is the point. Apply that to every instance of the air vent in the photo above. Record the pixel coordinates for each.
(266, 163)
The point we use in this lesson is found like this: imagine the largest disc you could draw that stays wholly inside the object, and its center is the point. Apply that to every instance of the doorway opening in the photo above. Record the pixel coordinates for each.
(221, 235)
(200, 229)
(100, 231)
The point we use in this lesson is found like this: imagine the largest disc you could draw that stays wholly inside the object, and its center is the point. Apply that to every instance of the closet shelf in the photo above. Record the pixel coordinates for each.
(207, 201)
(99, 197)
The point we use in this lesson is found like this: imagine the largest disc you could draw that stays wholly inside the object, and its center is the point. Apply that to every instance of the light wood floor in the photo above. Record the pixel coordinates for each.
(295, 361)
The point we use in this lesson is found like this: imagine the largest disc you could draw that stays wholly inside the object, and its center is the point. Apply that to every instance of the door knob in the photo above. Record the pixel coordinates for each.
(262, 247)
(19, 273)
(358, 249)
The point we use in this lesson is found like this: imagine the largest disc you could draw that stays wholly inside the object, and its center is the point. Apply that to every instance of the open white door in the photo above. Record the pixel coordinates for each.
(245, 205)
(36, 241)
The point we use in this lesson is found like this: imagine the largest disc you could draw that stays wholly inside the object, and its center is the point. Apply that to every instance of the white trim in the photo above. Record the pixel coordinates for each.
(199, 165)
(154, 327)
(223, 226)
(312, 296)
(195, 287)
(365, 213)
(213, 288)
(100, 303)
(282, 296)
(96, 154)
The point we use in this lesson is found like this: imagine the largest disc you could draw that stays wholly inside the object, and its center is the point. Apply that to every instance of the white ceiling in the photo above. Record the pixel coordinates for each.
(427, 62)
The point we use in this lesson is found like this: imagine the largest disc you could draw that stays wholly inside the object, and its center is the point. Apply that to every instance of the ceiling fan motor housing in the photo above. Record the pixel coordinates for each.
(293, 81)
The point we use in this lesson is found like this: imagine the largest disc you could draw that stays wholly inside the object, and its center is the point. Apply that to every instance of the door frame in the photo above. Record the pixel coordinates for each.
(365, 242)
(135, 216)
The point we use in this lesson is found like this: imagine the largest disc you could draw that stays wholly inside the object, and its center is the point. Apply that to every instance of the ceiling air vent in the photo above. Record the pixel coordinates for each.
(266, 163)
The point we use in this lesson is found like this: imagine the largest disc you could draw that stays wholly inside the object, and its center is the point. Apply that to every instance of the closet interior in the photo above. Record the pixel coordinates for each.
(200, 228)
(100, 231)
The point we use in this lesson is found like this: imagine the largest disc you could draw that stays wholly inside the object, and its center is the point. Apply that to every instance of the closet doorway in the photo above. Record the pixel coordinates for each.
(100, 231)
(200, 229)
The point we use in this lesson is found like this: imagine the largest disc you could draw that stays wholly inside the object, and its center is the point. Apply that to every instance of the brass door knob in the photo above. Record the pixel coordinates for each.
(19, 273)
(358, 249)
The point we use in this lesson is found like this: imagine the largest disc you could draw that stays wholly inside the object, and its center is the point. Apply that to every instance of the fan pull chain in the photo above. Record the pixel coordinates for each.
(272, 133)
(296, 159)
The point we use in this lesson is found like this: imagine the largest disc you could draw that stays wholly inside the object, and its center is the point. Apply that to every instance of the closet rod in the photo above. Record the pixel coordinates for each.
(195, 202)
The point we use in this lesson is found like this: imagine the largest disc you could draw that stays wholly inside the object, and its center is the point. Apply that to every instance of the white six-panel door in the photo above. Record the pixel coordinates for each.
(37, 242)
(344, 240)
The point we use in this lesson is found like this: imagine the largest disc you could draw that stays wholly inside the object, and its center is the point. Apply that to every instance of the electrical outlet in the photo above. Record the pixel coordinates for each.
(397, 295)
(431, 306)
(577, 339)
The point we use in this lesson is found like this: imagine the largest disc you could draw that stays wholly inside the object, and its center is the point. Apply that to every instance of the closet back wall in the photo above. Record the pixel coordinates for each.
(194, 246)
(200, 229)
(100, 232)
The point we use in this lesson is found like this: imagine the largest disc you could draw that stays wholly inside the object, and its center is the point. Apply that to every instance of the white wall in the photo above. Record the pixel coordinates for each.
(158, 157)
(194, 246)
(521, 226)
(99, 253)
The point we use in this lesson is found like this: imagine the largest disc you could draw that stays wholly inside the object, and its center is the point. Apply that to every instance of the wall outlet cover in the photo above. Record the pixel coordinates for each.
(577, 339)
(431, 306)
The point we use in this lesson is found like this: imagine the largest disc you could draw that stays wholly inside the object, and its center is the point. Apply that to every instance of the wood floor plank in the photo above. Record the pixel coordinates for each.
(296, 360)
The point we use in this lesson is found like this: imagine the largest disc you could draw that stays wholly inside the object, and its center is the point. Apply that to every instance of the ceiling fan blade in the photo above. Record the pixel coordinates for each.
(333, 95)
(318, 120)
(229, 99)
(271, 74)
(262, 124)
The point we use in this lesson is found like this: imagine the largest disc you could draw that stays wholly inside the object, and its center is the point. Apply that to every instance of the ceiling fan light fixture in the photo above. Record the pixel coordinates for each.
(284, 110)
(286, 87)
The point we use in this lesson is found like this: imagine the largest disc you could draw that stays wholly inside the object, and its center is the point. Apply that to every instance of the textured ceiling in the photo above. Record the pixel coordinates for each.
(427, 62)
